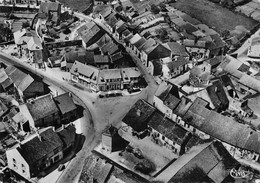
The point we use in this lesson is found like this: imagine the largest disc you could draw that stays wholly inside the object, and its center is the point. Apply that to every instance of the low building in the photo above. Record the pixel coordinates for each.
(253, 50)
(197, 50)
(138, 116)
(112, 141)
(169, 133)
(102, 61)
(109, 48)
(39, 151)
(44, 111)
(177, 50)
(209, 162)
(26, 86)
(175, 68)
(90, 33)
(67, 108)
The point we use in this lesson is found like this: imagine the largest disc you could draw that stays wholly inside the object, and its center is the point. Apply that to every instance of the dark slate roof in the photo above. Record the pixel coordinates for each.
(212, 164)
(189, 28)
(189, 19)
(168, 128)
(157, 67)
(117, 56)
(214, 62)
(176, 64)
(42, 107)
(177, 49)
(222, 127)
(95, 170)
(111, 19)
(193, 43)
(139, 43)
(171, 101)
(217, 95)
(183, 106)
(126, 33)
(65, 103)
(158, 52)
(121, 28)
(67, 136)
(226, 80)
(6, 83)
(109, 48)
(20, 79)
(148, 44)
(244, 68)
(216, 42)
(138, 115)
(83, 56)
(88, 34)
(35, 149)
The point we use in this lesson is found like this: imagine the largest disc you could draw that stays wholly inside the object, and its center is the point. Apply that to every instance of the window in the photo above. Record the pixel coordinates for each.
(23, 168)
(163, 137)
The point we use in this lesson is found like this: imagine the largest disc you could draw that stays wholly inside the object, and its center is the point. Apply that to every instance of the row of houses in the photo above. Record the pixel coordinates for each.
(143, 116)
(105, 79)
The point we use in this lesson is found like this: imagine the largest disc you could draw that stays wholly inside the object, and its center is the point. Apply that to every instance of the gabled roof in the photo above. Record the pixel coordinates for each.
(171, 101)
(117, 56)
(111, 20)
(101, 59)
(105, 12)
(214, 62)
(95, 170)
(22, 36)
(150, 43)
(216, 43)
(65, 103)
(193, 43)
(34, 43)
(176, 49)
(42, 107)
(189, 28)
(131, 72)
(110, 74)
(168, 128)
(33, 149)
(176, 64)
(67, 135)
(139, 115)
(139, 43)
(90, 32)
(20, 79)
(205, 163)
(110, 48)
(134, 39)
(81, 55)
(45, 7)
(218, 95)
(158, 52)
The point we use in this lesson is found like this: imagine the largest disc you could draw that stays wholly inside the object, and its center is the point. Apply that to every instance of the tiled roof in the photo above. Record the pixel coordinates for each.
(116, 56)
(214, 62)
(176, 64)
(110, 48)
(218, 95)
(148, 44)
(67, 136)
(211, 164)
(168, 128)
(189, 28)
(138, 115)
(99, 59)
(193, 43)
(110, 74)
(158, 52)
(34, 149)
(176, 49)
(90, 32)
(139, 43)
(171, 101)
(42, 107)
(216, 43)
(45, 7)
(65, 103)
(95, 170)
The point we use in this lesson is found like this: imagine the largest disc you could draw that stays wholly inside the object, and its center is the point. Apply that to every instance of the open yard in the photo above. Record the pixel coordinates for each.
(79, 5)
(213, 15)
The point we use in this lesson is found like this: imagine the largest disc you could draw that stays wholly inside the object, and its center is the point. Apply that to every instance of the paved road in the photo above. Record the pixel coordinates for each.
(88, 127)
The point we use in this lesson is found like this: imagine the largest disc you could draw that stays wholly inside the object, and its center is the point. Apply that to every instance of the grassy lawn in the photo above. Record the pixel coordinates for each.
(79, 5)
(214, 15)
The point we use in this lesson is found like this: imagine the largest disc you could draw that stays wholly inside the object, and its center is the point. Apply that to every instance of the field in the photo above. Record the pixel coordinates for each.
(79, 5)
(214, 15)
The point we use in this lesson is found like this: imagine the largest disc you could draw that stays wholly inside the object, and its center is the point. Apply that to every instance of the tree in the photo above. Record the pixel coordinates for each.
(5, 33)
(163, 7)
(162, 33)
(155, 9)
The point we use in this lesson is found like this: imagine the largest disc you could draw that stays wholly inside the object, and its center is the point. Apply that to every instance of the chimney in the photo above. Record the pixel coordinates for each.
(138, 112)
(38, 134)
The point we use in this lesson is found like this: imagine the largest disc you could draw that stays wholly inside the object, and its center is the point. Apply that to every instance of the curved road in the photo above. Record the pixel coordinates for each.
(88, 129)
